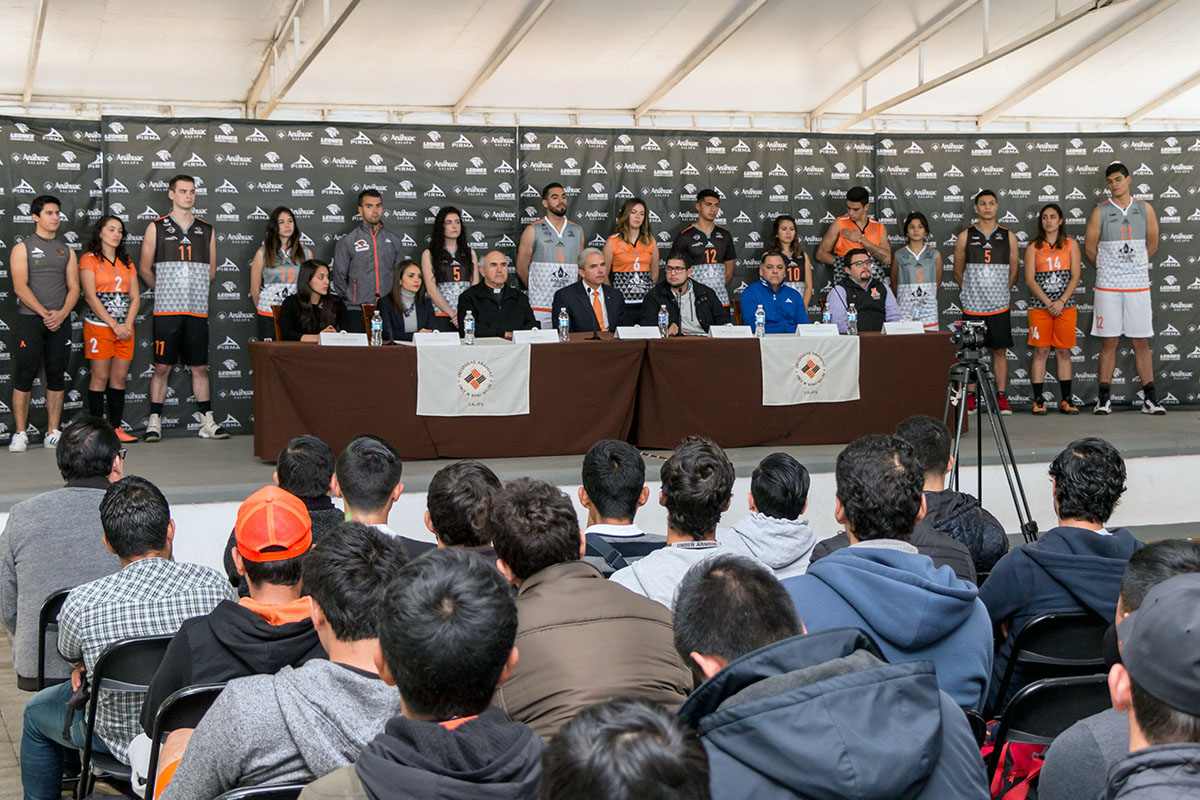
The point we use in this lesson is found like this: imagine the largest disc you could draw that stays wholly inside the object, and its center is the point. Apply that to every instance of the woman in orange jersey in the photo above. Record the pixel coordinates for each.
(786, 240)
(110, 286)
(1052, 267)
(633, 255)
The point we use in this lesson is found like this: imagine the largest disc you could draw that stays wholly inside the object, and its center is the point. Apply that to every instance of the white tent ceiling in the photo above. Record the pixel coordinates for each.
(927, 64)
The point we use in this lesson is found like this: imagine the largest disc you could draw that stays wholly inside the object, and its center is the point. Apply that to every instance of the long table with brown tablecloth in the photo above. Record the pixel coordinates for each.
(585, 391)
(713, 387)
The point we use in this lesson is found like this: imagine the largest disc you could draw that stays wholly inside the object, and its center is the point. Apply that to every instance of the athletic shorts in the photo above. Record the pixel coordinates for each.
(1048, 331)
(1123, 314)
(33, 342)
(997, 330)
(180, 337)
(101, 344)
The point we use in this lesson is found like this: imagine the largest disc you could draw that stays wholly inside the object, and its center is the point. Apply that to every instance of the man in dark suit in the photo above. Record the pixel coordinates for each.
(590, 303)
(498, 308)
(692, 307)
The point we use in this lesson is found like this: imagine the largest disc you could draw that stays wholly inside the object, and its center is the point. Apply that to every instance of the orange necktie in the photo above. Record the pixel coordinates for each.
(597, 308)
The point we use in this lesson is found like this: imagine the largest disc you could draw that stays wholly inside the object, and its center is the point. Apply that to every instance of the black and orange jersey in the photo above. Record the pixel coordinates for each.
(113, 279)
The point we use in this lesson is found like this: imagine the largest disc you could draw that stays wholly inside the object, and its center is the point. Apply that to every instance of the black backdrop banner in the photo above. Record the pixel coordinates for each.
(246, 168)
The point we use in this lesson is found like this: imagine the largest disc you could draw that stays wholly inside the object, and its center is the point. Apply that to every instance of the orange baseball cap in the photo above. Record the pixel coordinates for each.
(272, 517)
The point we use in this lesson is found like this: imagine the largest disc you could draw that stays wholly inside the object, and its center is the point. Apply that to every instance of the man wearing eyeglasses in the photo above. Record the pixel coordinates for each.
(872, 299)
(692, 307)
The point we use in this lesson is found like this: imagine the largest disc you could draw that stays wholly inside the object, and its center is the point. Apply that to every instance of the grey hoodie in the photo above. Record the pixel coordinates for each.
(294, 726)
(784, 545)
(659, 574)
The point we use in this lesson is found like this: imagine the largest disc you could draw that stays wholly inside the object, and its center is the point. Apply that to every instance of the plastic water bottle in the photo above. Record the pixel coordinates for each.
(664, 321)
(916, 316)
(826, 316)
(376, 329)
(564, 326)
(760, 322)
(852, 320)
(469, 328)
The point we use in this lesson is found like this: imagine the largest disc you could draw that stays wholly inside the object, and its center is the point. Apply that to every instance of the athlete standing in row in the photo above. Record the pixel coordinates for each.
(45, 279)
(854, 230)
(273, 270)
(785, 240)
(1120, 239)
(448, 266)
(179, 262)
(364, 261)
(548, 253)
(633, 254)
(706, 247)
(916, 270)
(1052, 273)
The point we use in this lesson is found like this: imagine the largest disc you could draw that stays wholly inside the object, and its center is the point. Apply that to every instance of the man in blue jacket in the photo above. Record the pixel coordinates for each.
(783, 305)
(1076, 566)
(785, 714)
(881, 584)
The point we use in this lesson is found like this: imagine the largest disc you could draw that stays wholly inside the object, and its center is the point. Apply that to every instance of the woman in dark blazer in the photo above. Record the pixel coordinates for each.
(407, 309)
(313, 308)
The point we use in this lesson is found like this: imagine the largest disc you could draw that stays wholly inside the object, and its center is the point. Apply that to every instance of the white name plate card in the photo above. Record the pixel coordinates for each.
(817, 329)
(637, 332)
(537, 336)
(436, 339)
(912, 326)
(338, 339)
(731, 332)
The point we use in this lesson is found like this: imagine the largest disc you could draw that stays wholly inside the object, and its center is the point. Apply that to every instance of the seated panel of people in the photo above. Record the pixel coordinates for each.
(313, 309)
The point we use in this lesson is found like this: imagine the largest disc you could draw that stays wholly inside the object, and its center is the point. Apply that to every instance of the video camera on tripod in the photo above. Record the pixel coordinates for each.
(968, 336)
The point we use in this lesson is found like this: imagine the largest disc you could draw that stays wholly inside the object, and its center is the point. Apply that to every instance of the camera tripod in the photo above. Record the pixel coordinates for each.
(971, 369)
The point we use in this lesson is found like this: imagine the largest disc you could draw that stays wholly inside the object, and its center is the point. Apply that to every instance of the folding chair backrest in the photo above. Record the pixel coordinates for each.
(183, 708)
(289, 791)
(47, 622)
(1044, 709)
(1056, 644)
(275, 312)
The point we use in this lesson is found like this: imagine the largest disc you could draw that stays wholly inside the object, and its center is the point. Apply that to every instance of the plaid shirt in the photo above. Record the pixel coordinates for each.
(149, 597)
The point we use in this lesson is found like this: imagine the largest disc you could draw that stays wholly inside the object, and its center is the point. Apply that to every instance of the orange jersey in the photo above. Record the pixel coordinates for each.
(113, 280)
(874, 233)
(1052, 271)
(628, 257)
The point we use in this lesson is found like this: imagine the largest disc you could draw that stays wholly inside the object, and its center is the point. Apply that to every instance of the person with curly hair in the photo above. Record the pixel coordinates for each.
(1076, 566)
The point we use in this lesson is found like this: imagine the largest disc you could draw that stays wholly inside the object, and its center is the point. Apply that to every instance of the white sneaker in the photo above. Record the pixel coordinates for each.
(20, 440)
(209, 429)
(153, 429)
(1152, 407)
(1103, 408)
(50, 440)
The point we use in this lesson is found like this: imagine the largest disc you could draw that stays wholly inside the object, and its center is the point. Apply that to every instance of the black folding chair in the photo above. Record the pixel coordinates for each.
(47, 622)
(978, 725)
(124, 666)
(183, 708)
(1044, 709)
(1056, 644)
(283, 791)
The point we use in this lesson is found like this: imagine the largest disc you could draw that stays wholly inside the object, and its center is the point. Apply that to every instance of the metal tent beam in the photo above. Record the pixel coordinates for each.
(35, 47)
(259, 84)
(1076, 58)
(714, 40)
(898, 52)
(533, 12)
(1164, 98)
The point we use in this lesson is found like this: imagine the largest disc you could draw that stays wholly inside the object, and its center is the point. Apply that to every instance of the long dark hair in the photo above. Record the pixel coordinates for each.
(314, 318)
(95, 246)
(273, 243)
(776, 244)
(437, 246)
(1040, 240)
(397, 299)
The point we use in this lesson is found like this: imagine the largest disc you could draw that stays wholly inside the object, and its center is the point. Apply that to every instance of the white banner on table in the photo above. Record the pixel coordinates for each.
(809, 369)
(484, 380)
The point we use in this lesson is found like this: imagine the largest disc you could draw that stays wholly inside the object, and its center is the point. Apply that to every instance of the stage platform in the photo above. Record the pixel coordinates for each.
(205, 480)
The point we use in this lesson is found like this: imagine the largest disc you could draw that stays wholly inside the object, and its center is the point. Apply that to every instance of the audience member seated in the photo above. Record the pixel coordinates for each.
(259, 634)
(150, 595)
(498, 308)
(1077, 763)
(881, 584)
(367, 478)
(625, 750)
(782, 305)
(692, 307)
(1158, 684)
(582, 639)
(591, 303)
(956, 514)
(1076, 566)
(775, 532)
(697, 485)
(313, 309)
(305, 722)
(304, 468)
(819, 715)
(446, 630)
(54, 541)
(943, 550)
(872, 298)
(614, 488)
(456, 494)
